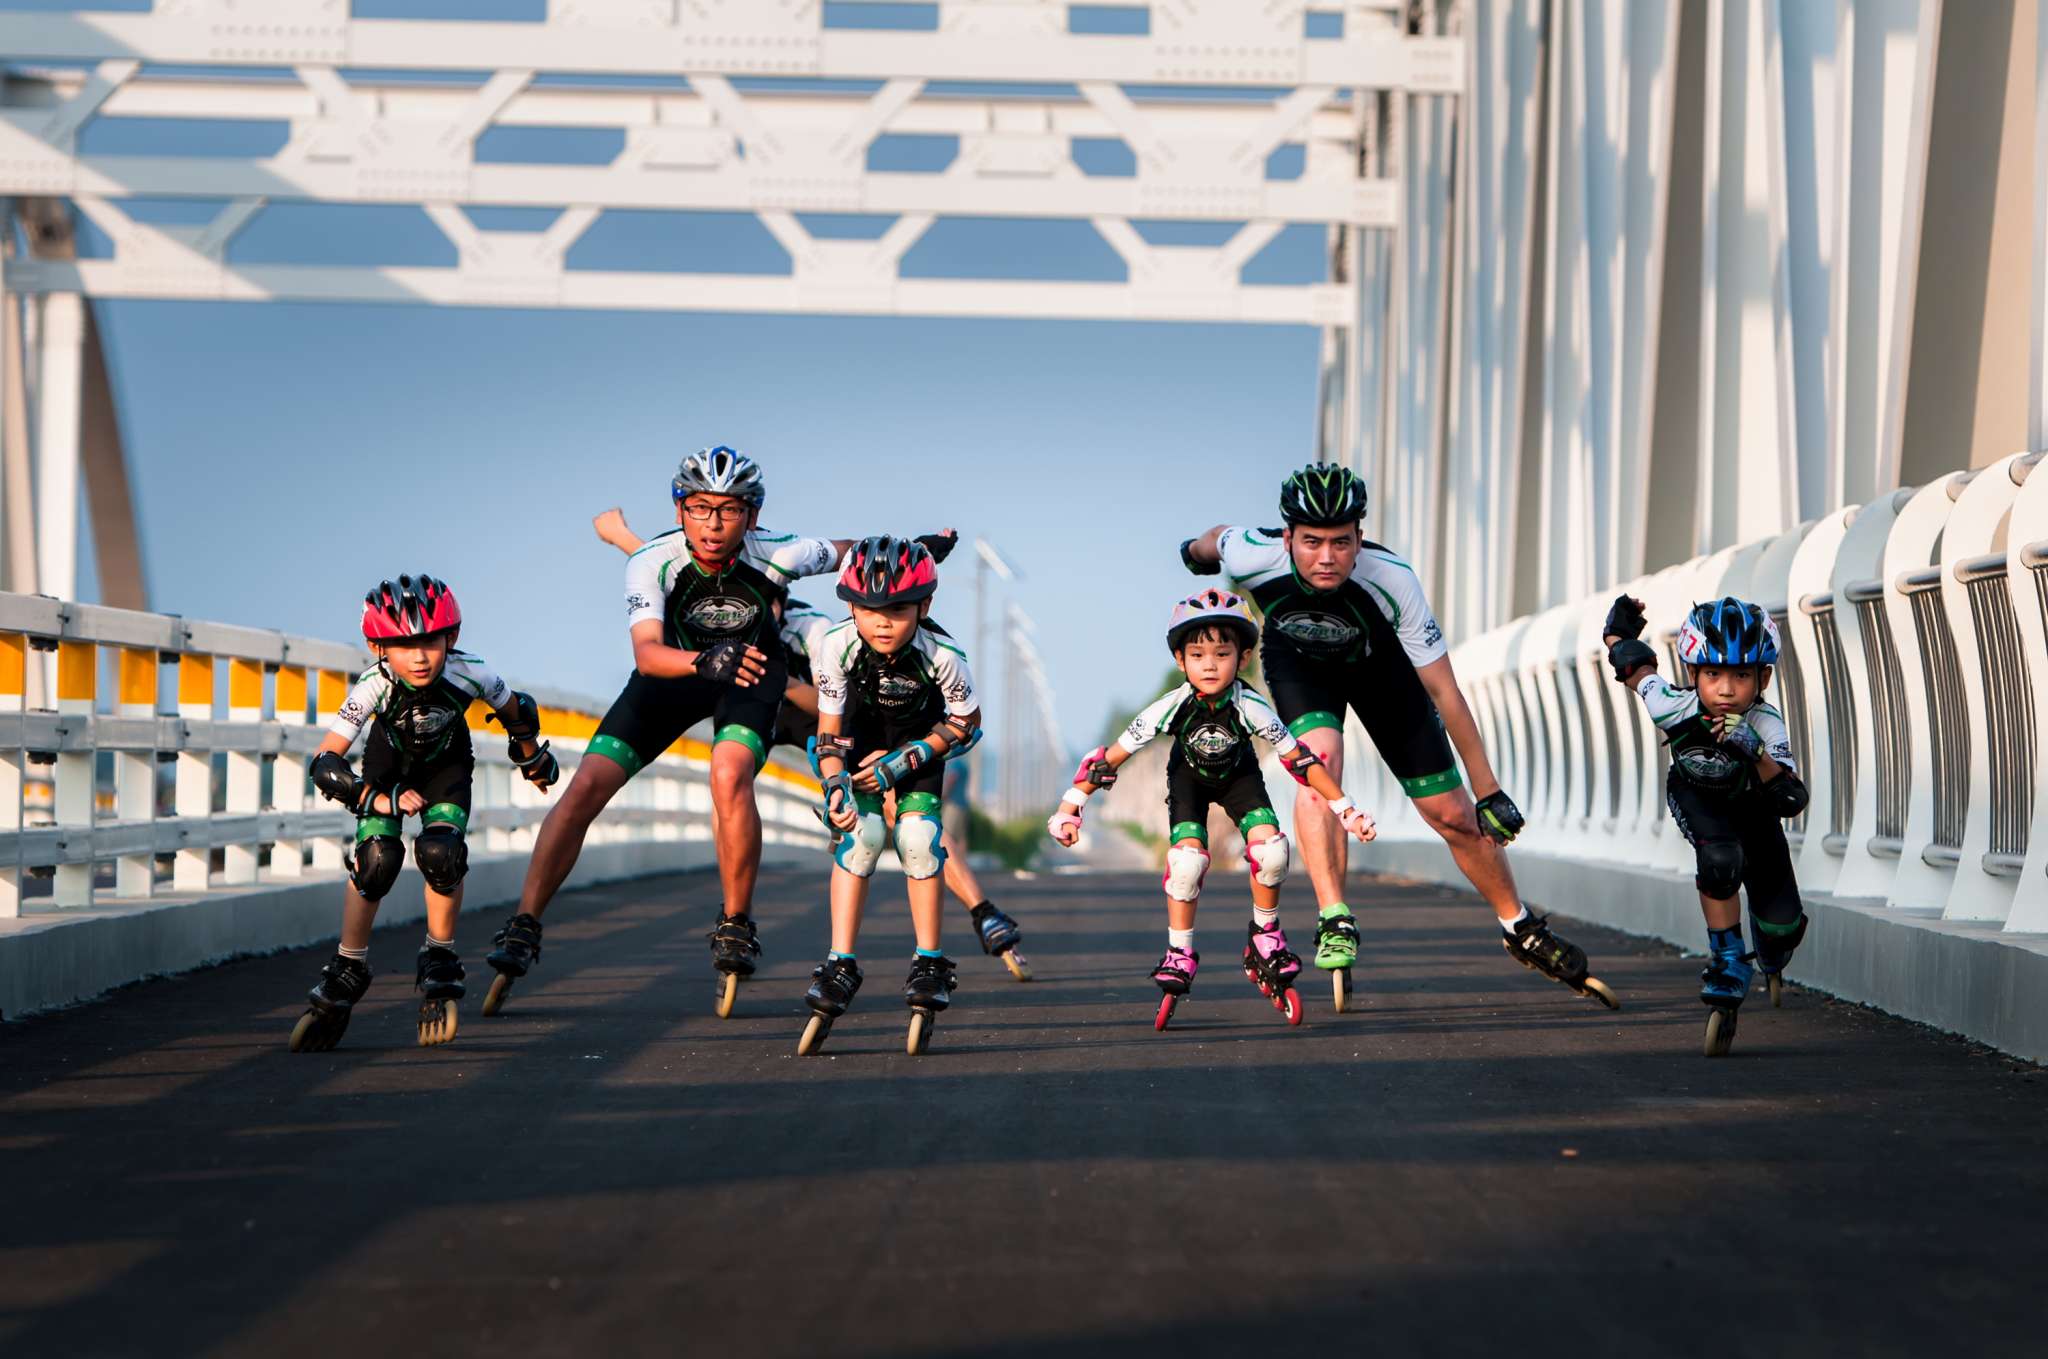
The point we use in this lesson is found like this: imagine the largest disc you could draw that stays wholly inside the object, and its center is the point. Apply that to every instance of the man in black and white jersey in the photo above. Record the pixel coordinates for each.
(1347, 625)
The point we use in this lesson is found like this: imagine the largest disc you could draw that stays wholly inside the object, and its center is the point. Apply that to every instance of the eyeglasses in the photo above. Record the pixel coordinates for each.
(724, 514)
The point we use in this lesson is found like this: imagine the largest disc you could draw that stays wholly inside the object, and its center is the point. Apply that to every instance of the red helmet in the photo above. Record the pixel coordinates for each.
(881, 571)
(412, 608)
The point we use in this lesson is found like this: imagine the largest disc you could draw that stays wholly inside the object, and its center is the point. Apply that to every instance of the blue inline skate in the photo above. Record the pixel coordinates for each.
(1724, 982)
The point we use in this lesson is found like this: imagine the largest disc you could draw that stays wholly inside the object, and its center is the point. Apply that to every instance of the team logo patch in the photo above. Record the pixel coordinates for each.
(722, 613)
(1709, 766)
(1431, 633)
(423, 724)
(1209, 743)
(895, 690)
(1316, 629)
(636, 602)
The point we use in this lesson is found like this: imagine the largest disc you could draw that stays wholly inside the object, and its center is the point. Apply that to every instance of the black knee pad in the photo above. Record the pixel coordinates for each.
(443, 857)
(375, 865)
(1720, 868)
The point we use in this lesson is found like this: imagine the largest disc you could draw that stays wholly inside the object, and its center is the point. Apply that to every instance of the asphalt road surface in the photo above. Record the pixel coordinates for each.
(1475, 1162)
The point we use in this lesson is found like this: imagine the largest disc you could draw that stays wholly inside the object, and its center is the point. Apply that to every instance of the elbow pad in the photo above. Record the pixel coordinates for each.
(1787, 793)
(1629, 655)
(1300, 763)
(335, 780)
(524, 724)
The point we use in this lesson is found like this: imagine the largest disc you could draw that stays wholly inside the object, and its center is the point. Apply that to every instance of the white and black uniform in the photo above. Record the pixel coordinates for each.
(1737, 835)
(889, 701)
(699, 607)
(803, 627)
(1215, 758)
(1357, 646)
(419, 738)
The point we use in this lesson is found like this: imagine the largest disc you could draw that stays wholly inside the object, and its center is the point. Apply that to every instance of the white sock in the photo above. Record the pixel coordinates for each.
(1181, 939)
(1507, 927)
(432, 942)
(1264, 918)
(361, 955)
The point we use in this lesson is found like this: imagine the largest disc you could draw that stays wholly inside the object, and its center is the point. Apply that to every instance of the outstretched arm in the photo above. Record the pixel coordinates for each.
(1204, 555)
(1441, 682)
(1098, 770)
(611, 528)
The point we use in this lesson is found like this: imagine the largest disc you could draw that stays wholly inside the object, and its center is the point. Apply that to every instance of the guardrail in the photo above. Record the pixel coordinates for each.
(1916, 631)
(174, 761)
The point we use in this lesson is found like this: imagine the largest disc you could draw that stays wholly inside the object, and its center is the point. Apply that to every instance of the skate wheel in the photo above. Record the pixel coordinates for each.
(437, 1022)
(920, 1040)
(1600, 991)
(728, 992)
(1776, 983)
(1340, 989)
(494, 999)
(1289, 1003)
(1165, 1015)
(813, 1036)
(305, 1035)
(1019, 968)
(1720, 1032)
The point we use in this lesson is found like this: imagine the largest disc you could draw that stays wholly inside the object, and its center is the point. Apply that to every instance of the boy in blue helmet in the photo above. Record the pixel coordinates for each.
(1732, 785)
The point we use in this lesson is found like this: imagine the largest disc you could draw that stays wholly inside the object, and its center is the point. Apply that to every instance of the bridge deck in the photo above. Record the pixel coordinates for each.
(1476, 1161)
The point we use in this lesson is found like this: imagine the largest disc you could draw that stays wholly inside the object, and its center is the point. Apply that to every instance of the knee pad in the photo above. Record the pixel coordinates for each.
(1720, 868)
(860, 849)
(443, 857)
(374, 865)
(1269, 861)
(1185, 869)
(917, 845)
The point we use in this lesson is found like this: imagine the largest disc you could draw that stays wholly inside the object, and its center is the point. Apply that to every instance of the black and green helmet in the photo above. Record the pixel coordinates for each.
(1323, 494)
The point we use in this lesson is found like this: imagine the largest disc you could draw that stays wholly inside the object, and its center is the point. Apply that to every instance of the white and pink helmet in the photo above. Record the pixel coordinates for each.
(1211, 608)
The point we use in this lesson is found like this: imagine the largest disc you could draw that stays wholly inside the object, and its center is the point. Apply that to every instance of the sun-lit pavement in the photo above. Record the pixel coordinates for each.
(1476, 1162)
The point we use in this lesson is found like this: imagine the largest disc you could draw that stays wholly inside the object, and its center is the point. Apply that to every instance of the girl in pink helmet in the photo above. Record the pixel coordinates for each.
(1213, 720)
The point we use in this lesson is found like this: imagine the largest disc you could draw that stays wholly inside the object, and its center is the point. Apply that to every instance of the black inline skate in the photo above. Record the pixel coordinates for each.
(439, 982)
(927, 990)
(1774, 947)
(342, 983)
(1536, 948)
(733, 950)
(515, 949)
(834, 984)
(1000, 937)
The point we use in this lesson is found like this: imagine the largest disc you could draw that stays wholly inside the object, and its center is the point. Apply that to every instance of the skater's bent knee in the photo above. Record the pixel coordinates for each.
(375, 866)
(1720, 869)
(1270, 858)
(1185, 868)
(918, 846)
(443, 857)
(860, 849)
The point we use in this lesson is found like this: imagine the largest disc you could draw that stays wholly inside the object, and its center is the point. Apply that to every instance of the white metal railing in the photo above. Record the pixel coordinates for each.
(203, 783)
(1916, 631)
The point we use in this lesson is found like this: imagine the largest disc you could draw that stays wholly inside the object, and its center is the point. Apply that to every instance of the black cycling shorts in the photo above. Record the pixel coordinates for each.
(651, 714)
(794, 727)
(872, 735)
(1747, 820)
(1241, 793)
(445, 782)
(1386, 693)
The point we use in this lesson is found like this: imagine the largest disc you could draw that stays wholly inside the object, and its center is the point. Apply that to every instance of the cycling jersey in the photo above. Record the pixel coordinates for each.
(1378, 607)
(924, 681)
(1697, 754)
(1213, 735)
(698, 606)
(803, 627)
(420, 725)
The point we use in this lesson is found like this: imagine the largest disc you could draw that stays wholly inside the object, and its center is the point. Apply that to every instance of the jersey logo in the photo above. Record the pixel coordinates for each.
(637, 602)
(1317, 629)
(956, 691)
(1431, 633)
(721, 613)
(894, 690)
(1709, 766)
(423, 722)
(1209, 742)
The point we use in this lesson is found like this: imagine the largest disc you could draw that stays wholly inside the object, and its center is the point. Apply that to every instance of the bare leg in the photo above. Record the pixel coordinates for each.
(927, 909)
(849, 898)
(1484, 864)
(357, 918)
(738, 825)
(1324, 850)
(597, 780)
(960, 879)
(441, 912)
(1721, 914)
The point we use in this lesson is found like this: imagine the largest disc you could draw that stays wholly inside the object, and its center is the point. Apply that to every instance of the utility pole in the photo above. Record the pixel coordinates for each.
(986, 560)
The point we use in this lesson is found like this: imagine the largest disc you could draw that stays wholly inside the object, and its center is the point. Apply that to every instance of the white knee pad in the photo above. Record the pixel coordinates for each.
(1269, 858)
(860, 849)
(917, 845)
(1185, 869)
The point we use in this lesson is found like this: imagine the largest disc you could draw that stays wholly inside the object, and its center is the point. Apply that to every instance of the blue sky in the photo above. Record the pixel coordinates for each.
(286, 457)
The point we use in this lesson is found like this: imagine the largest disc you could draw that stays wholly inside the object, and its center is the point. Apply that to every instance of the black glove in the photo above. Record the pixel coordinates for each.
(940, 545)
(337, 781)
(1628, 656)
(1624, 619)
(541, 768)
(720, 662)
(1196, 567)
(1499, 818)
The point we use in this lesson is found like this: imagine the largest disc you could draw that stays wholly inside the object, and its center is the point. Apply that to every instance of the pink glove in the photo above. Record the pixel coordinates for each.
(1064, 825)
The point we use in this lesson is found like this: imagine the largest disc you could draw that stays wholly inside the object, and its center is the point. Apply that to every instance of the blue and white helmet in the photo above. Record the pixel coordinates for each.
(721, 470)
(1728, 632)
